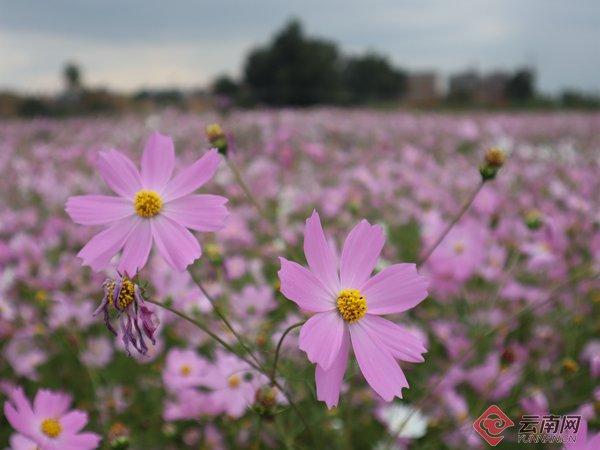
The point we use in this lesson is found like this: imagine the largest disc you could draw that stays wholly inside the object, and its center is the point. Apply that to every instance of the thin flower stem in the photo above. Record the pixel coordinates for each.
(249, 361)
(240, 181)
(224, 319)
(279, 344)
(449, 227)
(207, 331)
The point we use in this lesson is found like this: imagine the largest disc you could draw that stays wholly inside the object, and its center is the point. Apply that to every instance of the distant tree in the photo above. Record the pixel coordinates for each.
(372, 77)
(294, 69)
(72, 76)
(521, 86)
(226, 86)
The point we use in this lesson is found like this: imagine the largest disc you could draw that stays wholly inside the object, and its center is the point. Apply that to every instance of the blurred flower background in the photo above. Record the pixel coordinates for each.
(484, 176)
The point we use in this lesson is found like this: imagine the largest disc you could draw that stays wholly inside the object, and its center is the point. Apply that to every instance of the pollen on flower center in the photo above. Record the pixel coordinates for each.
(126, 295)
(51, 428)
(352, 305)
(147, 203)
(186, 370)
(234, 381)
(459, 247)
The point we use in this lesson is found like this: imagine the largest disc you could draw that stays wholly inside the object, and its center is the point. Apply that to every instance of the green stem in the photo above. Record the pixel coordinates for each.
(279, 344)
(224, 319)
(449, 227)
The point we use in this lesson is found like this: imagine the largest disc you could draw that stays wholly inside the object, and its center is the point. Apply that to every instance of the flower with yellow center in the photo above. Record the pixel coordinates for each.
(126, 294)
(352, 305)
(459, 247)
(185, 370)
(234, 381)
(51, 428)
(147, 203)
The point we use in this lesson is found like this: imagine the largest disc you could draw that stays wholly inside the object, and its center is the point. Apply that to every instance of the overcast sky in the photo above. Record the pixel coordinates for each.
(127, 45)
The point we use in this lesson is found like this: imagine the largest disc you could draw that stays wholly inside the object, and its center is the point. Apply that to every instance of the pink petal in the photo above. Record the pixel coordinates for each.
(198, 212)
(359, 255)
(20, 421)
(395, 289)
(51, 404)
(81, 441)
(193, 177)
(98, 252)
(320, 257)
(20, 442)
(376, 363)
(594, 443)
(74, 421)
(329, 382)
(321, 338)
(176, 245)
(119, 173)
(98, 209)
(158, 161)
(137, 248)
(302, 287)
(401, 343)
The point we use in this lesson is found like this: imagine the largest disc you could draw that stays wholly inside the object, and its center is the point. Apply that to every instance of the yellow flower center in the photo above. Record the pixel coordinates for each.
(147, 203)
(126, 296)
(51, 428)
(186, 370)
(459, 247)
(351, 305)
(234, 381)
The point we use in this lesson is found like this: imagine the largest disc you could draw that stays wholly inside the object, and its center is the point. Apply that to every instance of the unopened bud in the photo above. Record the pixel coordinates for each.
(570, 365)
(495, 157)
(494, 160)
(217, 138)
(533, 219)
(118, 436)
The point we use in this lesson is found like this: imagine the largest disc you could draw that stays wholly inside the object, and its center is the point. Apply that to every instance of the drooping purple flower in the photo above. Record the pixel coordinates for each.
(136, 319)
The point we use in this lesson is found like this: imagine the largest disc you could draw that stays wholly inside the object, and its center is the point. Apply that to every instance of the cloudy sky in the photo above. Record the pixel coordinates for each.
(127, 45)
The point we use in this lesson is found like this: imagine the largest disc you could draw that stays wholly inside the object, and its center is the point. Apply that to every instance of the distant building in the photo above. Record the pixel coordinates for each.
(423, 89)
(463, 86)
(492, 88)
(470, 86)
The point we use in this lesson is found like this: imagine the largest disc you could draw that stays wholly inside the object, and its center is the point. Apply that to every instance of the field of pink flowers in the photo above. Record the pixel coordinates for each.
(324, 279)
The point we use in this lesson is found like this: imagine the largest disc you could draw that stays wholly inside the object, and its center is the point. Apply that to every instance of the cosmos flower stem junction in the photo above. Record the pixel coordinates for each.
(465, 207)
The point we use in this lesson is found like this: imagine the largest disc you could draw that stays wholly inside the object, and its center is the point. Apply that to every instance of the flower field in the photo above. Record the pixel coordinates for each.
(321, 279)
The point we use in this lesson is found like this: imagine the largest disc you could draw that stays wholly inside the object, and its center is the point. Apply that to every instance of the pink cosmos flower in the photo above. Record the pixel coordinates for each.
(49, 423)
(233, 384)
(585, 440)
(151, 206)
(184, 369)
(348, 303)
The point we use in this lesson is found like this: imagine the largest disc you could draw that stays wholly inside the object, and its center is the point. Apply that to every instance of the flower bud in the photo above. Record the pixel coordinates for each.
(570, 365)
(533, 219)
(216, 137)
(495, 157)
(494, 160)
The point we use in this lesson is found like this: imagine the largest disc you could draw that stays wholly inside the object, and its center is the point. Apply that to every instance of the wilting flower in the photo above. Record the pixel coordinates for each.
(136, 319)
(348, 304)
(49, 423)
(151, 206)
